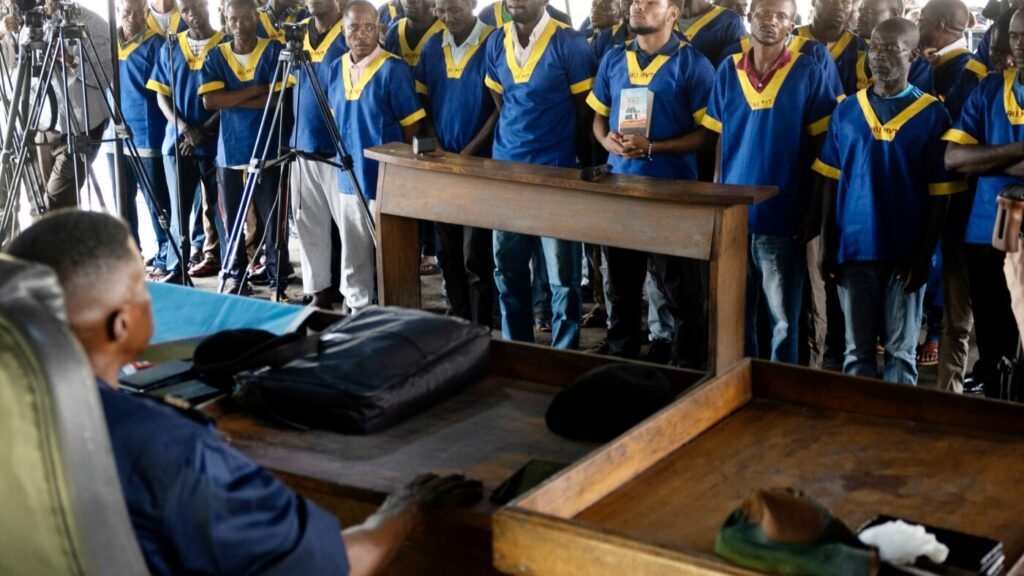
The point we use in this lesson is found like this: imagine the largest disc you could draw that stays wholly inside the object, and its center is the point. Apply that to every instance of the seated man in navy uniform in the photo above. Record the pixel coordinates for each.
(197, 505)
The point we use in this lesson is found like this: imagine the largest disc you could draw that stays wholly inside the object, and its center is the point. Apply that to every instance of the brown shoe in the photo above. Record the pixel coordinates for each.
(208, 267)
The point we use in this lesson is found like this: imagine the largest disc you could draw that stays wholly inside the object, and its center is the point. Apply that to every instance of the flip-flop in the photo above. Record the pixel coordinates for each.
(928, 353)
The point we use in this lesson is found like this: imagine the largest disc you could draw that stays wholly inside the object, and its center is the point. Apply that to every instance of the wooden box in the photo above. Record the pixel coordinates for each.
(652, 501)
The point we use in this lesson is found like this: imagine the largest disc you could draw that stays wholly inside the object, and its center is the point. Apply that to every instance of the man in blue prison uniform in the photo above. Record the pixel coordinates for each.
(604, 14)
(196, 505)
(986, 142)
(886, 197)
(799, 45)
(407, 36)
(497, 14)
(870, 14)
(275, 14)
(389, 12)
(373, 96)
(956, 72)
(137, 50)
(606, 39)
(771, 95)
(450, 77)
(539, 72)
(829, 28)
(236, 79)
(709, 28)
(680, 78)
(195, 135)
(316, 200)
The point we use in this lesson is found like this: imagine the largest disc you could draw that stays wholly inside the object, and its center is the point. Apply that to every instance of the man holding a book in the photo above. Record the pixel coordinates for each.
(650, 96)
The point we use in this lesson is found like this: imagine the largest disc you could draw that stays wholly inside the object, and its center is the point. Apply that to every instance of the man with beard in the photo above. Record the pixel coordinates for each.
(539, 72)
(986, 142)
(771, 95)
(829, 28)
(886, 195)
(680, 78)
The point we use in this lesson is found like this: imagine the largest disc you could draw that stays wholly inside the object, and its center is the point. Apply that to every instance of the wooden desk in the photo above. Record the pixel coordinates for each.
(674, 217)
(652, 501)
(487, 432)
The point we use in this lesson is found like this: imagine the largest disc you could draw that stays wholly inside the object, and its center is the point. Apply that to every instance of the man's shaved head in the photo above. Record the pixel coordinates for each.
(900, 28)
(954, 12)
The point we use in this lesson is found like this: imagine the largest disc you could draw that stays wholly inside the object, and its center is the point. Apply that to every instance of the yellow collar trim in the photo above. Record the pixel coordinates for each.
(455, 69)
(195, 61)
(172, 26)
(795, 45)
(950, 55)
(703, 21)
(1014, 113)
(392, 10)
(270, 27)
(317, 54)
(412, 55)
(835, 49)
(522, 74)
(125, 50)
(353, 92)
(248, 72)
(763, 100)
(887, 132)
(642, 76)
(499, 9)
(863, 80)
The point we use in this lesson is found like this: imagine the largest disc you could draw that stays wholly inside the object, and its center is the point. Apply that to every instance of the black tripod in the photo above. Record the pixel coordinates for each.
(292, 57)
(66, 31)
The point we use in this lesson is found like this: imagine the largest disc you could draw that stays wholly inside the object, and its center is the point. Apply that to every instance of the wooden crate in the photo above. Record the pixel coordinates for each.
(652, 501)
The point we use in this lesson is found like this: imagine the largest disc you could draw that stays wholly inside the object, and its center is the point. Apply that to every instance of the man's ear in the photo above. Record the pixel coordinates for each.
(118, 326)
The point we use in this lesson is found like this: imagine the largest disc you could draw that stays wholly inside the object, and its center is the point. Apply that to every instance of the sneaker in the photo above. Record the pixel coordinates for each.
(660, 352)
(259, 275)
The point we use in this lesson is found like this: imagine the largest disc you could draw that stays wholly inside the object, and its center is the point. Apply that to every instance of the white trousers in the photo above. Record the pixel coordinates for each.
(316, 201)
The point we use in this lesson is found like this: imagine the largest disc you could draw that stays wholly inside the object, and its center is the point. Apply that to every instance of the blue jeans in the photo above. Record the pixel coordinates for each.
(512, 253)
(775, 280)
(197, 173)
(875, 306)
(154, 169)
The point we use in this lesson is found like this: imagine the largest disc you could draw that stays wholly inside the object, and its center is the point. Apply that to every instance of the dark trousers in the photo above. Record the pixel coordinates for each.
(153, 167)
(468, 271)
(61, 191)
(230, 186)
(684, 282)
(994, 325)
(197, 174)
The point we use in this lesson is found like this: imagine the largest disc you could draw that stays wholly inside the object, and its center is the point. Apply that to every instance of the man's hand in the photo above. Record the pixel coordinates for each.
(614, 144)
(636, 146)
(915, 275)
(431, 493)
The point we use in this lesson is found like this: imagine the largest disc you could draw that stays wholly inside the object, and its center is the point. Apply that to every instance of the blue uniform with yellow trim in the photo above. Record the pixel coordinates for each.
(605, 40)
(538, 120)
(198, 506)
(389, 12)
(992, 116)
(372, 112)
(766, 136)
(239, 127)
(920, 73)
(680, 78)
(957, 74)
(309, 133)
(139, 107)
(460, 102)
(714, 31)
(177, 24)
(395, 41)
(799, 45)
(496, 15)
(269, 26)
(887, 154)
(187, 72)
(844, 52)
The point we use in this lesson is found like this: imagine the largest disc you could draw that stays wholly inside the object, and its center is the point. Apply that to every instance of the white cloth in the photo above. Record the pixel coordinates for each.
(243, 59)
(316, 201)
(196, 46)
(472, 40)
(162, 20)
(522, 53)
(961, 43)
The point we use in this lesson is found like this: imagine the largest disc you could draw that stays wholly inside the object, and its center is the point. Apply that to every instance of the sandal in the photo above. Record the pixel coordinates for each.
(428, 266)
(928, 353)
(205, 269)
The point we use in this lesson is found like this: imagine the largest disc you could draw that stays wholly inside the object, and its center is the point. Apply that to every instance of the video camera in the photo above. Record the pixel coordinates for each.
(293, 32)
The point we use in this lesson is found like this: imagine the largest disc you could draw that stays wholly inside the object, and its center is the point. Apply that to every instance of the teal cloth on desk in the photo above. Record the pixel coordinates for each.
(180, 313)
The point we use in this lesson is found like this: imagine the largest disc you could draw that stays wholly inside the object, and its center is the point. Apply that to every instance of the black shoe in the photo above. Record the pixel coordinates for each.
(173, 277)
(660, 352)
(973, 386)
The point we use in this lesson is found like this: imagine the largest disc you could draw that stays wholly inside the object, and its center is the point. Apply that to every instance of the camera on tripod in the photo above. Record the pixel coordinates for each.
(294, 32)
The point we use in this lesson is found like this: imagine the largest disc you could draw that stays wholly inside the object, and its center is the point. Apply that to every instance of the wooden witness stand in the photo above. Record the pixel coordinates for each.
(672, 217)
